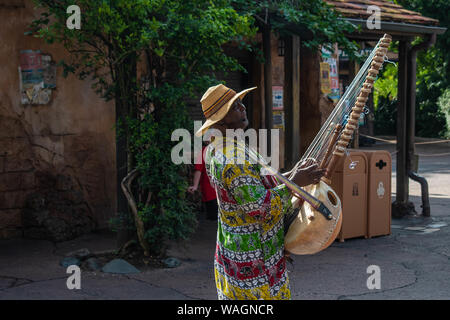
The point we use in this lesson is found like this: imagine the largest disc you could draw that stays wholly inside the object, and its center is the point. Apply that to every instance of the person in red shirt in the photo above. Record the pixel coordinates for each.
(209, 198)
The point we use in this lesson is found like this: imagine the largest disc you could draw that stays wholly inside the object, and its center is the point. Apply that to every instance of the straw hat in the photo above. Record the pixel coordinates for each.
(216, 102)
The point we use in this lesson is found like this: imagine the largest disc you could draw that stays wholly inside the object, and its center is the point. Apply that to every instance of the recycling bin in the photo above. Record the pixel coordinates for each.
(349, 181)
(379, 193)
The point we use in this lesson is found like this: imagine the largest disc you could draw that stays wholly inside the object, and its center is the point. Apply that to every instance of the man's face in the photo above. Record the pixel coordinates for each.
(236, 118)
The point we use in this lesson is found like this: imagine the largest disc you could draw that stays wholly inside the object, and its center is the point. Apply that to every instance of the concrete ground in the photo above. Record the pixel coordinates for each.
(413, 260)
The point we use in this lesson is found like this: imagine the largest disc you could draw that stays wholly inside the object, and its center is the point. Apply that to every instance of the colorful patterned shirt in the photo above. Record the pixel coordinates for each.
(249, 259)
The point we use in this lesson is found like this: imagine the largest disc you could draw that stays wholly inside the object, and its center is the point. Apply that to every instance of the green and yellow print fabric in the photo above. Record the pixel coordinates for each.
(249, 260)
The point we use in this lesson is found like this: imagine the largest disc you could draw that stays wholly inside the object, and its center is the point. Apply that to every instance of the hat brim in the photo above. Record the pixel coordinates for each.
(209, 122)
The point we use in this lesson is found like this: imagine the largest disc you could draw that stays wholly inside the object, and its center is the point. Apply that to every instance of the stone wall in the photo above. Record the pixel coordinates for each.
(71, 138)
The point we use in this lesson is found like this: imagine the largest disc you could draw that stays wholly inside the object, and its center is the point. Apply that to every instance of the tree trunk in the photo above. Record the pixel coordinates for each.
(126, 105)
(126, 188)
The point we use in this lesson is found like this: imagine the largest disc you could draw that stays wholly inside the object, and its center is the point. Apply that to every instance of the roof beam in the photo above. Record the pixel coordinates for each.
(396, 29)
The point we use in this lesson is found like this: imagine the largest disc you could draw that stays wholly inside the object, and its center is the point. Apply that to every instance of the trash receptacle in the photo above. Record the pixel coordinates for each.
(350, 183)
(379, 193)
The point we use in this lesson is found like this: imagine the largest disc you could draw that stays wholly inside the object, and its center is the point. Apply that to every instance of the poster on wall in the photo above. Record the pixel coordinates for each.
(333, 92)
(334, 80)
(277, 98)
(278, 119)
(37, 75)
(48, 72)
(325, 82)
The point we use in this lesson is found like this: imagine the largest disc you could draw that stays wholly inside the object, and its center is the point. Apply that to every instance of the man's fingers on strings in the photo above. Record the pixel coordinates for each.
(311, 168)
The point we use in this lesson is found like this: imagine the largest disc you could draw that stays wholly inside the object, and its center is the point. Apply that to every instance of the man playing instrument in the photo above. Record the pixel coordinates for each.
(250, 262)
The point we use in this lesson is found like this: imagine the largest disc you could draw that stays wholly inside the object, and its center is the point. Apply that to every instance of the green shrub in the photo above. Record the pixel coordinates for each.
(169, 215)
(386, 117)
(444, 107)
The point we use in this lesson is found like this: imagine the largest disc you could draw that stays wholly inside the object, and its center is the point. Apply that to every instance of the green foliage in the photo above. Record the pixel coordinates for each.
(430, 86)
(433, 77)
(387, 84)
(386, 116)
(183, 57)
(169, 215)
(437, 9)
(316, 16)
(444, 107)
(111, 32)
(433, 70)
(385, 97)
(178, 46)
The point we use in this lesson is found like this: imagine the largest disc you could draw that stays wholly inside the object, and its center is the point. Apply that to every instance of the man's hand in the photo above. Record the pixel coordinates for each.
(308, 175)
(192, 189)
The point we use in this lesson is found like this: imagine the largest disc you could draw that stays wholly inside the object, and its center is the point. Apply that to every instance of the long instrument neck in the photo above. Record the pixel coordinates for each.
(361, 100)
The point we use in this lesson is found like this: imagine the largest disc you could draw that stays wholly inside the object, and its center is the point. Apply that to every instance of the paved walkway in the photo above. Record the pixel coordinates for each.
(413, 261)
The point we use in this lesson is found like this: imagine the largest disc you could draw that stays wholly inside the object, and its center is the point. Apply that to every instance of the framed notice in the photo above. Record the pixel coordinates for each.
(278, 119)
(277, 98)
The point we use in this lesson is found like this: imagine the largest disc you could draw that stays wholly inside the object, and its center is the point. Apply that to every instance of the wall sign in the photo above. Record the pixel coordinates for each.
(278, 119)
(37, 74)
(277, 98)
(325, 81)
(334, 80)
(331, 89)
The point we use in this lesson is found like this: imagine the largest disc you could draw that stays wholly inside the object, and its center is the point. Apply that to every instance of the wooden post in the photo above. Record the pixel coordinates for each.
(410, 127)
(411, 111)
(267, 83)
(402, 174)
(310, 119)
(292, 99)
(257, 100)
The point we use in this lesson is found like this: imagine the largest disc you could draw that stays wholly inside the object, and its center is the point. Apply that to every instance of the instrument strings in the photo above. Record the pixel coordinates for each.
(316, 151)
